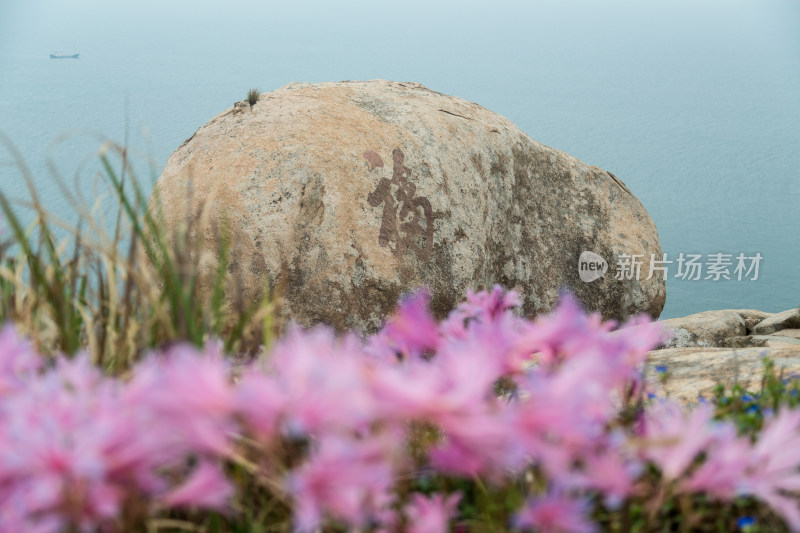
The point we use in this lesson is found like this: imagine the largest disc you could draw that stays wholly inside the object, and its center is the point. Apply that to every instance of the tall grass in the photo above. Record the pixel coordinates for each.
(120, 285)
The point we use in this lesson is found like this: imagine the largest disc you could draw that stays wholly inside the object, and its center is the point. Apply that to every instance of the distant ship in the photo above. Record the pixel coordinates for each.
(64, 56)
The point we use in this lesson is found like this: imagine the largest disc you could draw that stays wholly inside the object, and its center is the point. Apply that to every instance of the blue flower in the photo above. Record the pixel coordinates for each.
(745, 521)
(661, 369)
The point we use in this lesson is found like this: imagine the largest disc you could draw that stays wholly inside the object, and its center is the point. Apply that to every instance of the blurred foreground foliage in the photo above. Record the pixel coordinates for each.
(120, 282)
(485, 422)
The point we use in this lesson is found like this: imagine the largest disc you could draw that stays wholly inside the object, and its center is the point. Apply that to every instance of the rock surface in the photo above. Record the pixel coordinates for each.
(762, 340)
(240, 107)
(695, 372)
(725, 347)
(784, 320)
(793, 333)
(711, 328)
(344, 196)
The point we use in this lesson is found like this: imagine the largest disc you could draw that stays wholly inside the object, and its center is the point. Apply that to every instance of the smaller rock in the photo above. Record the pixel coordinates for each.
(711, 328)
(789, 319)
(774, 340)
(752, 317)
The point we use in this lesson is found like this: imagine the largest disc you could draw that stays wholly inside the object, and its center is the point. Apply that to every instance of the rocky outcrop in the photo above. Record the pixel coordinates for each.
(723, 347)
(712, 328)
(693, 373)
(343, 196)
(785, 320)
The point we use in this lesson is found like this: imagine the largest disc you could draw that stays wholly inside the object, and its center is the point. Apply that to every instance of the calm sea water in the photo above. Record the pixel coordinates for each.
(695, 107)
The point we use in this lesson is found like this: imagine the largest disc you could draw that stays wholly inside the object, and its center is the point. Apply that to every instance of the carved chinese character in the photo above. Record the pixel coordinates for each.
(407, 219)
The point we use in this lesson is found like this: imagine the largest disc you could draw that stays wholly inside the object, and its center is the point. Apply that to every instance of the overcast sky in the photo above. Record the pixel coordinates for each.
(72, 23)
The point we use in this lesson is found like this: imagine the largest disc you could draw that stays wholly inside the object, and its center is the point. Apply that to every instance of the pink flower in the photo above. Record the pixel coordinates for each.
(640, 335)
(553, 334)
(555, 513)
(18, 360)
(482, 444)
(774, 466)
(412, 330)
(261, 403)
(484, 307)
(785, 506)
(451, 390)
(562, 416)
(568, 334)
(611, 470)
(431, 515)
(723, 472)
(493, 341)
(14, 518)
(52, 440)
(674, 438)
(190, 392)
(345, 479)
(76, 446)
(323, 382)
(206, 487)
(775, 454)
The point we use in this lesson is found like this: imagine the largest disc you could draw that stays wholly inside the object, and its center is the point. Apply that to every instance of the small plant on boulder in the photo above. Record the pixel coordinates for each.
(252, 96)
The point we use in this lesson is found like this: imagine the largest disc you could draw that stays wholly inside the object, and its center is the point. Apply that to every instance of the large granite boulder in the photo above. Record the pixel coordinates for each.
(342, 197)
